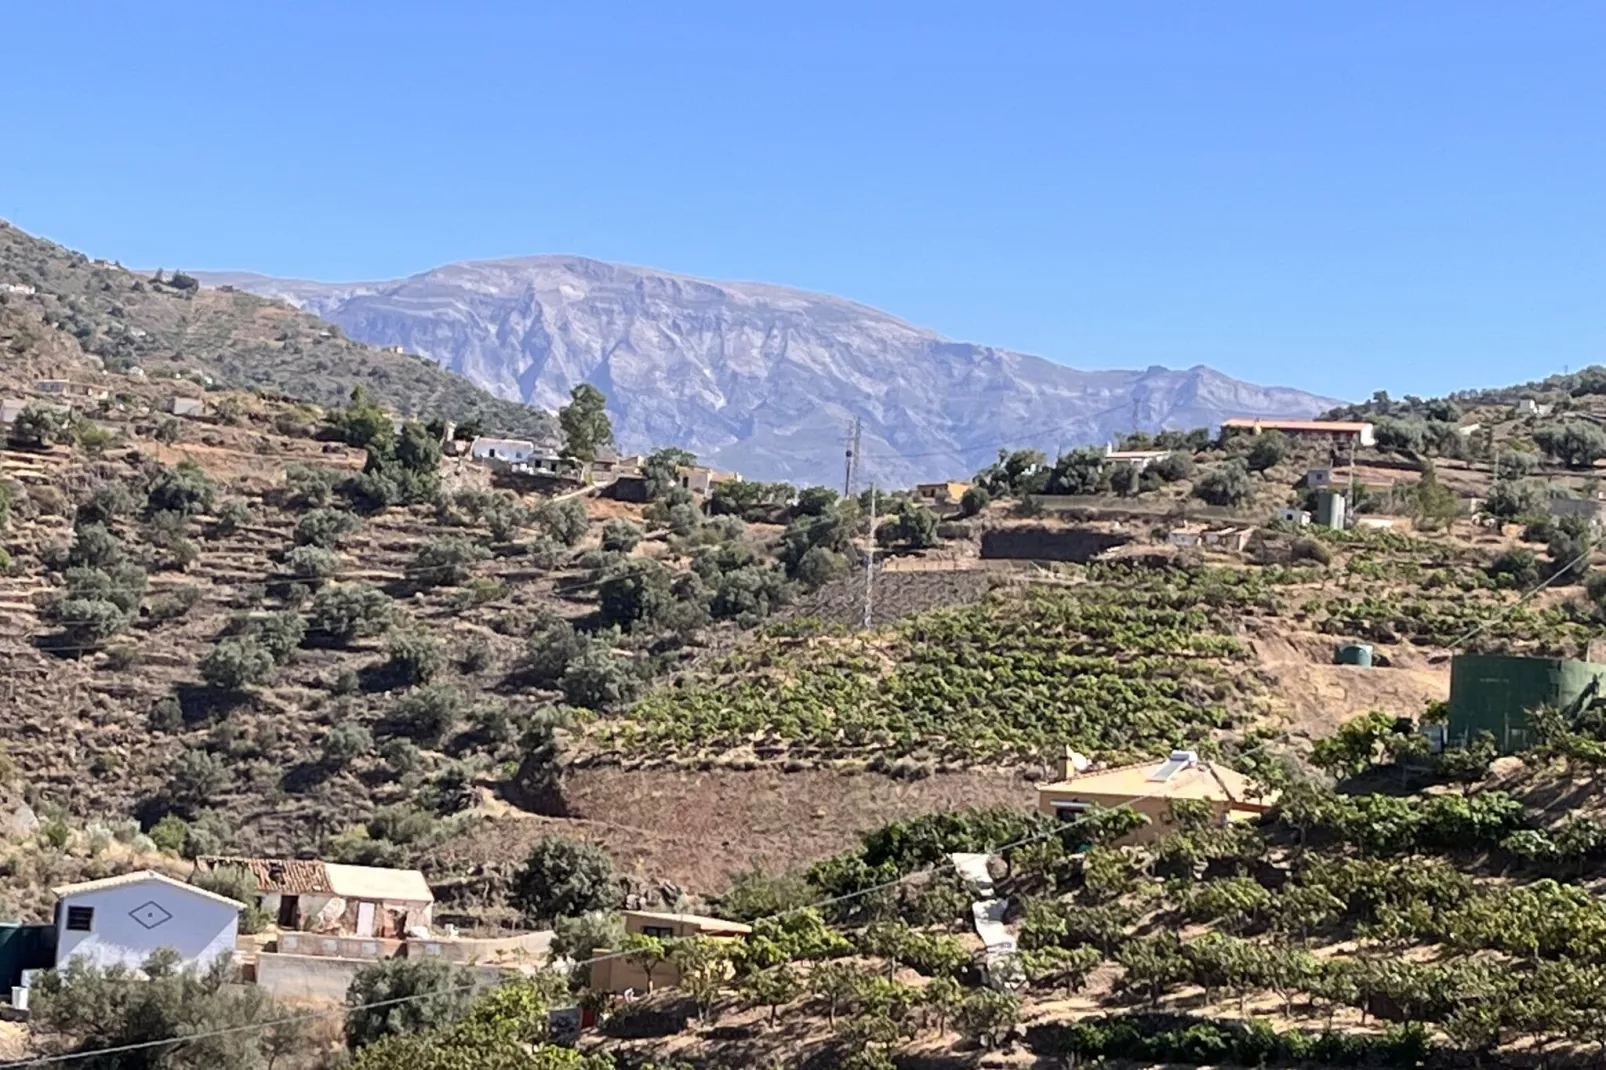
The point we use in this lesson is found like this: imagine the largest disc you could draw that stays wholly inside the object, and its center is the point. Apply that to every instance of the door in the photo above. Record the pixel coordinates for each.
(365, 919)
(289, 911)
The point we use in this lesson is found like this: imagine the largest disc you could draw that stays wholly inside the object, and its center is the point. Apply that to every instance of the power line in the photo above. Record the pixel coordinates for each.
(829, 901)
(469, 988)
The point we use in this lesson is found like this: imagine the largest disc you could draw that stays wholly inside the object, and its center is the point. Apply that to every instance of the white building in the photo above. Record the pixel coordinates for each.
(1139, 459)
(502, 449)
(182, 406)
(123, 919)
(1293, 515)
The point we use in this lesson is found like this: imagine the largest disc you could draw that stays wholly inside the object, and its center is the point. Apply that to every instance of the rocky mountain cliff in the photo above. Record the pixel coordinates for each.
(760, 378)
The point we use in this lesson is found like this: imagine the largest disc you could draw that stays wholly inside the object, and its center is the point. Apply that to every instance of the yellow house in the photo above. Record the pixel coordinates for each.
(1149, 788)
(946, 493)
(617, 974)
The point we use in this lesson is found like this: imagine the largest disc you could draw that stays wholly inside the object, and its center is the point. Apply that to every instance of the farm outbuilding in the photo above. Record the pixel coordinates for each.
(326, 897)
(122, 920)
(1496, 692)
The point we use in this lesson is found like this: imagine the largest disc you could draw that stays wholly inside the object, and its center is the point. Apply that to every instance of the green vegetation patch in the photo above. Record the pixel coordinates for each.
(1117, 668)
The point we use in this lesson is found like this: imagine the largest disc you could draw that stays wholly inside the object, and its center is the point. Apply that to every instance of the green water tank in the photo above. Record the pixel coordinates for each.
(1494, 692)
(1354, 654)
(1330, 509)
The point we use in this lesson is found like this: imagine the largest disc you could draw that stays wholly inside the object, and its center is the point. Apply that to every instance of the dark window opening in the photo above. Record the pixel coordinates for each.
(662, 932)
(80, 919)
(289, 911)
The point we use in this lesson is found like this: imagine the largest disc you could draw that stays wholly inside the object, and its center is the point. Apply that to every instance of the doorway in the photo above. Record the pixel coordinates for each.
(289, 911)
(365, 919)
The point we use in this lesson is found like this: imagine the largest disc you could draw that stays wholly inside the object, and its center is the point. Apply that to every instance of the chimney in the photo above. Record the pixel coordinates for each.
(1071, 763)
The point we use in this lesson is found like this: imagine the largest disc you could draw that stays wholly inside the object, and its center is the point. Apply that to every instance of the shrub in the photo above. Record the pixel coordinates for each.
(90, 621)
(185, 489)
(819, 566)
(414, 995)
(565, 521)
(106, 504)
(232, 515)
(415, 655)
(38, 427)
(597, 680)
(279, 634)
(1308, 549)
(551, 645)
(311, 563)
(1267, 451)
(562, 878)
(620, 536)
(344, 743)
(198, 777)
(94, 547)
(236, 663)
(578, 938)
(974, 500)
(346, 611)
(445, 562)
(1175, 466)
(307, 487)
(634, 593)
(236, 883)
(1228, 485)
(427, 714)
(170, 833)
(1514, 498)
(325, 527)
(1518, 567)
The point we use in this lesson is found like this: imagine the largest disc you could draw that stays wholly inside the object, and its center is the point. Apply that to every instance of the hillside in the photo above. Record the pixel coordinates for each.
(228, 338)
(278, 628)
(758, 378)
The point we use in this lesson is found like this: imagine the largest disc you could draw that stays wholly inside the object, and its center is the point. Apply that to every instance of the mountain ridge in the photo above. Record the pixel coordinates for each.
(759, 377)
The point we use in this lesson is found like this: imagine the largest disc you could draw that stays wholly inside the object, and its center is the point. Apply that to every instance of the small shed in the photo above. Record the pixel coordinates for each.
(121, 920)
(182, 406)
(1319, 477)
(622, 973)
(1294, 515)
(947, 492)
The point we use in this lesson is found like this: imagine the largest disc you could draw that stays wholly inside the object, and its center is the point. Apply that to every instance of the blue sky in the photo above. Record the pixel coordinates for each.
(1340, 197)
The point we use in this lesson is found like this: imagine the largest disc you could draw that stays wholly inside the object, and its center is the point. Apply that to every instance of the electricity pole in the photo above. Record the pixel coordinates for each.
(853, 459)
(869, 565)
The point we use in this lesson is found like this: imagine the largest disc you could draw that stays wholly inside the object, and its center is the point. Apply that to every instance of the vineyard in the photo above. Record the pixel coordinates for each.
(1130, 664)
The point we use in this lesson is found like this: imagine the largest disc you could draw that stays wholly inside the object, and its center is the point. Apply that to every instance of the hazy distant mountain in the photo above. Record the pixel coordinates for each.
(759, 378)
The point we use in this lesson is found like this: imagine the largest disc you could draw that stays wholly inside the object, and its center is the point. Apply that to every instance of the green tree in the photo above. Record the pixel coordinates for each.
(634, 593)
(185, 489)
(38, 427)
(1267, 451)
(415, 995)
(344, 743)
(585, 423)
(772, 988)
(987, 1016)
(646, 953)
(325, 527)
(913, 526)
(1575, 443)
(563, 877)
(1227, 485)
(620, 536)
(973, 501)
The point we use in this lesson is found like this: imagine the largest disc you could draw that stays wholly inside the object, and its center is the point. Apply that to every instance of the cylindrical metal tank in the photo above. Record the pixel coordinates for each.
(1494, 692)
(1354, 654)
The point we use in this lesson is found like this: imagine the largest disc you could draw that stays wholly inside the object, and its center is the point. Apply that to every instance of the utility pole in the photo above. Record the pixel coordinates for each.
(853, 458)
(869, 565)
(1349, 503)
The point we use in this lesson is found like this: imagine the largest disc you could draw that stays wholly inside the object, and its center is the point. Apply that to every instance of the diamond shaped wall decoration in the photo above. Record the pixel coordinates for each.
(150, 915)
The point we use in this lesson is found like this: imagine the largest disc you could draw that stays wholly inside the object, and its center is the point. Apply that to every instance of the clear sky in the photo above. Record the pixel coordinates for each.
(1340, 197)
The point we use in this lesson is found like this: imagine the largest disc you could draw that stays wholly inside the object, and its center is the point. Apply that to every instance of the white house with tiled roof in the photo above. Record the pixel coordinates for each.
(122, 920)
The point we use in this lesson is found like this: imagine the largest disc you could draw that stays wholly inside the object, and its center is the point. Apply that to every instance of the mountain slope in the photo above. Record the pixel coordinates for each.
(237, 339)
(760, 378)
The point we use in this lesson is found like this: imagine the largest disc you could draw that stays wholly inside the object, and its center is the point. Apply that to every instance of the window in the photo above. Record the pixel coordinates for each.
(1070, 811)
(80, 919)
(662, 932)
